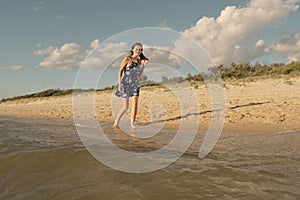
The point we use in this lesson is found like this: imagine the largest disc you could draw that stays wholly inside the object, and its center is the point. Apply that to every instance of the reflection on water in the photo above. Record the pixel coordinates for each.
(44, 159)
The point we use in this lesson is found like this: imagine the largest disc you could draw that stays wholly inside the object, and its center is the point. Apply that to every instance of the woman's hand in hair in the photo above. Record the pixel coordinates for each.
(145, 62)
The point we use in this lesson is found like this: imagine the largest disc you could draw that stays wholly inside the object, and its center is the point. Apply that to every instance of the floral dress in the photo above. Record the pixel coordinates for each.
(130, 82)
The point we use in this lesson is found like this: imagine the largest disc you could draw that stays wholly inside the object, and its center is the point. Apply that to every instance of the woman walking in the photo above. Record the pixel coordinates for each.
(131, 69)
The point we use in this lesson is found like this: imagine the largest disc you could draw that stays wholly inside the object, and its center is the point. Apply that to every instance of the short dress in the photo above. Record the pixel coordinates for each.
(130, 81)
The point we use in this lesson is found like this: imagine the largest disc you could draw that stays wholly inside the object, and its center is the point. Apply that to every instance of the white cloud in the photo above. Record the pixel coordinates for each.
(226, 37)
(66, 57)
(69, 56)
(162, 55)
(38, 6)
(60, 17)
(94, 43)
(260, 43)
(40, 52)
(15, 68)
(105, 55)
(164, 25)
(289, 47)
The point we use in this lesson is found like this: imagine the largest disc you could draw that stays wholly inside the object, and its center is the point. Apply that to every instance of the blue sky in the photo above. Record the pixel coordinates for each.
(32, 30)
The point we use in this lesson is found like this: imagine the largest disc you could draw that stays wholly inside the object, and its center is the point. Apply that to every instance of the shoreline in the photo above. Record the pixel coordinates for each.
(232, 141)
(268, 105)
(229, 127)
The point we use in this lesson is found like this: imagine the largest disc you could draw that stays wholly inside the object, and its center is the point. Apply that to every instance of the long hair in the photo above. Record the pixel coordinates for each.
(142, 56)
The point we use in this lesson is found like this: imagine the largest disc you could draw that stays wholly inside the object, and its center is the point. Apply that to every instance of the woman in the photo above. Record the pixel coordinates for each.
(132, 68)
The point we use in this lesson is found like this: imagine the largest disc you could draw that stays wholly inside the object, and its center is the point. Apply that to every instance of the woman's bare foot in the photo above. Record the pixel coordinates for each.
(116, 125)
(132, 124)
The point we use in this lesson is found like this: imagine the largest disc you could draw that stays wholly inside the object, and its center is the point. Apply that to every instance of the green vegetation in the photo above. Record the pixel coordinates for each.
(245, 70)
(232, 72)
(45, 93)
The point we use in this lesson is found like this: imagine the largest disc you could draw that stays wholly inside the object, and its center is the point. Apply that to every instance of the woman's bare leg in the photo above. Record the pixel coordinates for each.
(121, 112)
(135, 100)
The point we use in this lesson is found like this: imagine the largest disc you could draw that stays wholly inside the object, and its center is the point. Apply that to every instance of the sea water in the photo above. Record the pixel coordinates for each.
(45, 159)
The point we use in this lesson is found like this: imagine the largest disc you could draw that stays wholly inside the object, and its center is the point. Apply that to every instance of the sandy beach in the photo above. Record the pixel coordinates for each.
(267, 105)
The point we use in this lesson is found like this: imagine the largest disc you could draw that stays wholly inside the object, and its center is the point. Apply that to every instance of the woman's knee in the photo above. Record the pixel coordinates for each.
(125, 105)
(135, 100)
(125, 108)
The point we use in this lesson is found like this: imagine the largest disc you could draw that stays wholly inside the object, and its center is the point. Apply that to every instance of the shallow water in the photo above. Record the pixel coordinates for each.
(45, 159)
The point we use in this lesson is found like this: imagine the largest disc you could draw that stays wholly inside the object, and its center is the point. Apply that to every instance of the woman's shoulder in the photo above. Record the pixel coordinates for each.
(127, 58)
